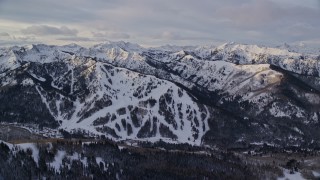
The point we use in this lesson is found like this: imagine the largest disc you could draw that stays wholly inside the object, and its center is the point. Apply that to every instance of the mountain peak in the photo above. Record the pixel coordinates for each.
(127, 46)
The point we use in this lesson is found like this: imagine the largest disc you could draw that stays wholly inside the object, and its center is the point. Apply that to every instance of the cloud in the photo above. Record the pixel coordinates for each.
(168, 35)
(23, 38)
(40, 12)
(4, 34)
(18, 41)
(75, 39)
(166, 21)
(112, 35)
(44, 30)
(255, 13)
(187, 36)
(265, 13)
(6, 37)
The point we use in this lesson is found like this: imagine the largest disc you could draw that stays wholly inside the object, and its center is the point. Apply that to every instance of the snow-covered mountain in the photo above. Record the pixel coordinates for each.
(231, 95)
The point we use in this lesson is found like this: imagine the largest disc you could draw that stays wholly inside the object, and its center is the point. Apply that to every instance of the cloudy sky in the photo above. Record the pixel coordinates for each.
(160, 22)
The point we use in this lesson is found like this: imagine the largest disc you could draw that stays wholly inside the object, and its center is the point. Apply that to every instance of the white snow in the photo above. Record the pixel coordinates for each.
(277, 112)
(57, 163)
(316, 174)
(298, 130)
(8, 144)
(35, 150)
(100, 160)
(37, 77)
(124, 83)
(27, 82)
(288, 176)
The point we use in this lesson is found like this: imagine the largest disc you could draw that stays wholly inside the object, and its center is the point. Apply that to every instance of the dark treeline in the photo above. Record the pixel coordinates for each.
(105, 160)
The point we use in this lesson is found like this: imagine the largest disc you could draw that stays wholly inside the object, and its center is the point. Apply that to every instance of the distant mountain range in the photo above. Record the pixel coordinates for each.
(232, 95)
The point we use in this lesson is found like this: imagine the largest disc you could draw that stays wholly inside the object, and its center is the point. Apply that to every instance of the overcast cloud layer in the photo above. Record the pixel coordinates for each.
(159, 22)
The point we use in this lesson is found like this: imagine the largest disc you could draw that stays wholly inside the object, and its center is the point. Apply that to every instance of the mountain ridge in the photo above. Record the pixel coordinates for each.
(221, 95)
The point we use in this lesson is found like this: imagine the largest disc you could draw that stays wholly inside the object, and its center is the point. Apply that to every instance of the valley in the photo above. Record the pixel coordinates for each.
(257, 162)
